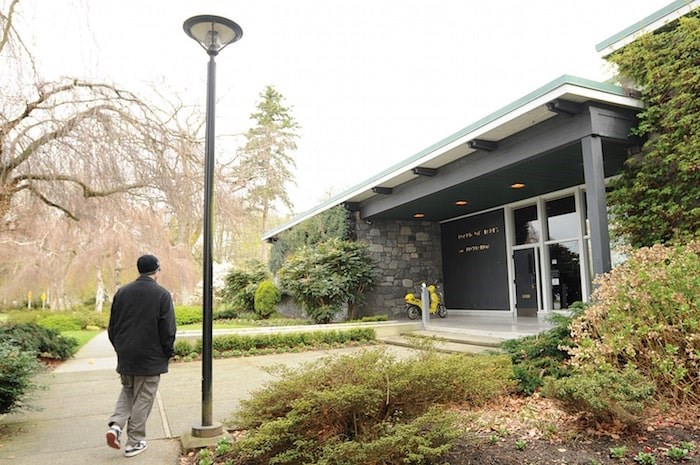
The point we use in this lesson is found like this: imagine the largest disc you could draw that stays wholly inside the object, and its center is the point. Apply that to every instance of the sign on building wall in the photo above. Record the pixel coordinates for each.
(475, 267)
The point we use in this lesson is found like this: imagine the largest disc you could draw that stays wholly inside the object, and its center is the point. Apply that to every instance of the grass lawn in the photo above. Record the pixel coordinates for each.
(83, 337)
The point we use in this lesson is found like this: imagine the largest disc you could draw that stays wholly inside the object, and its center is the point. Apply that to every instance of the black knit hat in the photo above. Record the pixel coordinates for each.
(147, 264)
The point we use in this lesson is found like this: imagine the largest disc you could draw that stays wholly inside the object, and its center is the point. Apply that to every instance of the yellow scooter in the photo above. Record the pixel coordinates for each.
(414, 306)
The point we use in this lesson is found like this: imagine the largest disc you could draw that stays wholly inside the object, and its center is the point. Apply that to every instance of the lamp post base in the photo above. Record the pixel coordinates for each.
(209, 431)
(201, 436)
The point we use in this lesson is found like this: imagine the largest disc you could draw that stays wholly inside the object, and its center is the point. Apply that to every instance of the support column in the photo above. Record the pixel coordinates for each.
(594, 174)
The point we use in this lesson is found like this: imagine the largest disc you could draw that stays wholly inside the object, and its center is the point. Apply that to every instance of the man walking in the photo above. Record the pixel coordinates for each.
(142, 331)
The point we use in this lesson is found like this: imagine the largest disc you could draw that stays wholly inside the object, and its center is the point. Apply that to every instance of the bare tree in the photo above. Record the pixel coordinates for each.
(75, 138)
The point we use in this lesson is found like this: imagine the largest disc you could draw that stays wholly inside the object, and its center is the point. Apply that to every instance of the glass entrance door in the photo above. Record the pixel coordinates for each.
(526, 281)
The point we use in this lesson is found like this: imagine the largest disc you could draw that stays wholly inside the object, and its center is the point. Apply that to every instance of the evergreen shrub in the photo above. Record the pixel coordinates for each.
(604, 395)
(182, 348)
(240, 286)
(187, 315)
(543, 355)
(17, 368)
(61, 322)
(74, 319)
(324, 277)
(267, 296)
(368, 407)
(38, 341)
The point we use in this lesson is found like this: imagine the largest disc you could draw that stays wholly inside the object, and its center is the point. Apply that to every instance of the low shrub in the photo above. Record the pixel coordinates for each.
(38, 341)
(226, 314)
(187, 315)
(543, 355)
(267, 296)
(61, 322)
(24, 316)
(367, 407)
(374, 318)
(16, 371)
(74, 319)
(182, 348)
(605, 395)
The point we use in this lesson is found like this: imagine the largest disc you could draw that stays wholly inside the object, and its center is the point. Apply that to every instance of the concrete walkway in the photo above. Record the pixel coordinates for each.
(70, 424)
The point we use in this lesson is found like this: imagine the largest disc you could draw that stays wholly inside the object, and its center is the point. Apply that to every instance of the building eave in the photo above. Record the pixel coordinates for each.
(651, 23)
(519, 115)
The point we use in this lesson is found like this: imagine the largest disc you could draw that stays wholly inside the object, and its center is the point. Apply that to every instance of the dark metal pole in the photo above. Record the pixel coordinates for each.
(207, 297)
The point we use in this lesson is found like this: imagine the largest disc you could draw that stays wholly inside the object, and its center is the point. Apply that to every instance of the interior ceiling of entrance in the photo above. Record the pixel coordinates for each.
(549, 172)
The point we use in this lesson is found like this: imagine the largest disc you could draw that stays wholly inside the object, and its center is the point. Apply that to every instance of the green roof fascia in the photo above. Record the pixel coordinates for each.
(534, 95)
(642, 24)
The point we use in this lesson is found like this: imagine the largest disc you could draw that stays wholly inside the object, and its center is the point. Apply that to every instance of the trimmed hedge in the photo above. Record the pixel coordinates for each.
(238, 344)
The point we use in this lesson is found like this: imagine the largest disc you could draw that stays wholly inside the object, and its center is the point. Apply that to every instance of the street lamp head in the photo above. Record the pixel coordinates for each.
(213, 33)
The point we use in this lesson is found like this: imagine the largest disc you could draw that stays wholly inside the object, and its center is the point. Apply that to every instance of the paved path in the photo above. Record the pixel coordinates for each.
(70, 424)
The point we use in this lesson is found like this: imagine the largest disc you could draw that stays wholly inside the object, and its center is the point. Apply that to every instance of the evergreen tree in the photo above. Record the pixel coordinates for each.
(267, 154)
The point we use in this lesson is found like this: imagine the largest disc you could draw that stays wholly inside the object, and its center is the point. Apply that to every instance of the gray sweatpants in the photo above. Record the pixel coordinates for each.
(134, 405)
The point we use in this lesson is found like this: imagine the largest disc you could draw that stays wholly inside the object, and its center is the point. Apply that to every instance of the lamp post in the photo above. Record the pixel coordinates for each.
(213, 33)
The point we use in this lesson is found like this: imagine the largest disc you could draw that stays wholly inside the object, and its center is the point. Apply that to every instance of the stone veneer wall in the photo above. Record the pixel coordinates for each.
(407, 253)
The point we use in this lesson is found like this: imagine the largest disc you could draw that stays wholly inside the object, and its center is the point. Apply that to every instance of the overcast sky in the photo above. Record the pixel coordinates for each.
(371, 82)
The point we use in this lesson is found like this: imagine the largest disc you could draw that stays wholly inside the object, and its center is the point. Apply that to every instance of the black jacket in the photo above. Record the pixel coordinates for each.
(142, 327)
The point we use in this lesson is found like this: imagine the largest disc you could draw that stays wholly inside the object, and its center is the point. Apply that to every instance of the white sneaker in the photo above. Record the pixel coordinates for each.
(136, 449)
(113, 434)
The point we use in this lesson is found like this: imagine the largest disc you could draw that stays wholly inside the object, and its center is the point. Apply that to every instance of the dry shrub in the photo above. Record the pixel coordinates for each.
(646, 315)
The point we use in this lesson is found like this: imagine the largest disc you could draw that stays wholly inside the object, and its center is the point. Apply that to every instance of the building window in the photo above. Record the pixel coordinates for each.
(565, 271)
(561, 219)
(527, 227)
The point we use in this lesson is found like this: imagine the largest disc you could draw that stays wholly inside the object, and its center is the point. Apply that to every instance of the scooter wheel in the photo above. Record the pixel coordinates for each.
(442, 311)
(412, 312)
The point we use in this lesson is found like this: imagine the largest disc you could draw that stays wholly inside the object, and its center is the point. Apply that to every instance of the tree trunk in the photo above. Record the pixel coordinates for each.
(100, 292)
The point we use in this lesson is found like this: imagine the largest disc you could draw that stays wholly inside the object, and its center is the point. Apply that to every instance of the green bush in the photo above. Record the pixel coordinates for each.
(324, 277)
(75, 319)
(604, 395)
(226, 314)
(542, 355)
(267, 296)
(187, 315)
(38, 341)
(16, 371)
(24, 316)
(367, 407)
(182, 348)
(61, 322)
(645, 313)
(241, 284)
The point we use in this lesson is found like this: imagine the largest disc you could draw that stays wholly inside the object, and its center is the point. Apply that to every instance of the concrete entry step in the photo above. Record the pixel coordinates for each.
(461, 338)
(445, 342)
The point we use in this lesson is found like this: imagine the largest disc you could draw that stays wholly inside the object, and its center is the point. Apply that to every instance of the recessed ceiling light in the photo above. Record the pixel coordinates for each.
(461, 203)
(517, 185)
(419, 215)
